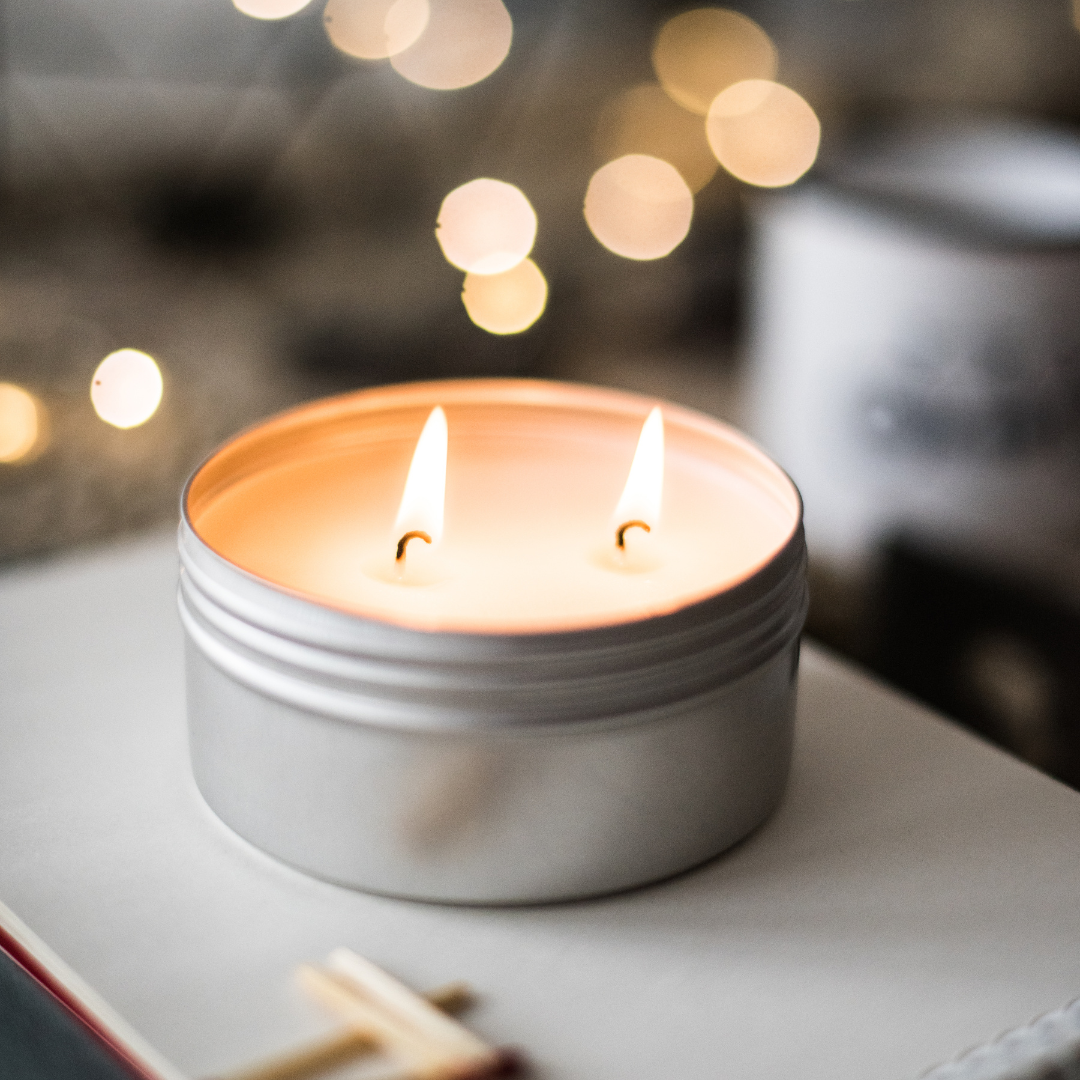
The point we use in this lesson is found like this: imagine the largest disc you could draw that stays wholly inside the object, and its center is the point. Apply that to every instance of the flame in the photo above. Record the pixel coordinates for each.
(645, 485)
(424, 496)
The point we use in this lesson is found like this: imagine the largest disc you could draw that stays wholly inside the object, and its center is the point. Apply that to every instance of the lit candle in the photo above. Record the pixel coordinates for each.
(491, 641)
(532, 471)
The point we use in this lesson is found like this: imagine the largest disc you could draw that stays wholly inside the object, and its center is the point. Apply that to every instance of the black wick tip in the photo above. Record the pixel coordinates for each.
(620, 532)
(416, 534)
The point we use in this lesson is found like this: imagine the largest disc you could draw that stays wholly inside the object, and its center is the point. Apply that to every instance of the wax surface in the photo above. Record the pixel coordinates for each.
(527, 544)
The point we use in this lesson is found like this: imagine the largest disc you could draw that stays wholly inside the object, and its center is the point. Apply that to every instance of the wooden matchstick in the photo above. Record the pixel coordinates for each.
(452, 998)
(421, 1056)
(310, 1060)
(505, 1062)
(341, 1047)
(408, 1007)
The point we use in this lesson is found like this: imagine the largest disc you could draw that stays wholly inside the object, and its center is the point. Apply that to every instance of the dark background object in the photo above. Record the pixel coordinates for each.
(212, 217)
(984, 640)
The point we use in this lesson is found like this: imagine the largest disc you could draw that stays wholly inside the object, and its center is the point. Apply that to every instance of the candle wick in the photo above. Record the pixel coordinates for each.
(415, 534)
(620, 532)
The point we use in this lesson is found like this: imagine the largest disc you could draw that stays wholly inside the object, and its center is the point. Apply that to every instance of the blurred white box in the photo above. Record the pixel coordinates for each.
(915, 338)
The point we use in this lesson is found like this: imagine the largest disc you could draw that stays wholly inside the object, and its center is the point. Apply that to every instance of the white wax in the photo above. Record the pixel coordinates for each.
(527, 544)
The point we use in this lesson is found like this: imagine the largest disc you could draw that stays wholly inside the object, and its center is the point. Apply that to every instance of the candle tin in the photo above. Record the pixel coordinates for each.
(494, 768)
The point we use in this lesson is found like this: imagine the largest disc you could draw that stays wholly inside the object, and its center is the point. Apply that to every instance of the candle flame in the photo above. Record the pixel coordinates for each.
(424, 496)
(644, 489)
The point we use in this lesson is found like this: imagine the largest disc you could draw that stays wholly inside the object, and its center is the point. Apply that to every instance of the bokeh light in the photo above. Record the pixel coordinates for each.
(763, 133)
(506, 303)
(486, 226)
(465, 41)
(639, 207)
(126, 388)
(20, 425)
(375, 29)
(270, 9)
(699, 53)
(644, 120)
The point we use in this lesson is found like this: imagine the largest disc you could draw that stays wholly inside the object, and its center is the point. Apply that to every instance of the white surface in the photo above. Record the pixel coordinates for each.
(917, 892)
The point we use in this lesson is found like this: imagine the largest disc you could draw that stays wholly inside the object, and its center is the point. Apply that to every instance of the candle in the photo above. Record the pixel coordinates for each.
(491, 641)
(533, 474)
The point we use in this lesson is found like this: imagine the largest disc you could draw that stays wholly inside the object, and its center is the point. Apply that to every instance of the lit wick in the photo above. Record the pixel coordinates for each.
(620, 533)
(420, 516)
(416, 534)
(639, 503)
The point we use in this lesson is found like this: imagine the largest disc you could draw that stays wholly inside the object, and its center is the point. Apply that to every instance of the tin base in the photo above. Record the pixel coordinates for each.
(495, 817)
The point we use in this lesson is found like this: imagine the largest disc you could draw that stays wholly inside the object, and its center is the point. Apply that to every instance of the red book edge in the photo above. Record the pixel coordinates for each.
(69, 991)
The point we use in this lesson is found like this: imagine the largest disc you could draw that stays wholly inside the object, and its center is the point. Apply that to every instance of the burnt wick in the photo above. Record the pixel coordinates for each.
(620, 532)
(415, 534)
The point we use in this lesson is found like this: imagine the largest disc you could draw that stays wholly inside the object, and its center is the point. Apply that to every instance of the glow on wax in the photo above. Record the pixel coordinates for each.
(533, 473)
(423, 502)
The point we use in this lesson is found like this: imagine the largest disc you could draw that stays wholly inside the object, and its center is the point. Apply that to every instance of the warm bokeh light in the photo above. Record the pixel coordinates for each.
(506, 303)
(19, 423)
(424, 497)
(375, 29)
(270, 9)
(763, 133)
(639, 207)
(486, 226)
(644, 120)
(644, 491)
(465, 41)
(699, 53)
(126, 388)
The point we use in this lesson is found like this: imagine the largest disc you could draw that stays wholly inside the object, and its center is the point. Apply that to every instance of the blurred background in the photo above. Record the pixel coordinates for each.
(851, 227)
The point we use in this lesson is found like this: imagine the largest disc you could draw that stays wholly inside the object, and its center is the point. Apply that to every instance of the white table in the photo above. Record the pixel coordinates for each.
(917, 892)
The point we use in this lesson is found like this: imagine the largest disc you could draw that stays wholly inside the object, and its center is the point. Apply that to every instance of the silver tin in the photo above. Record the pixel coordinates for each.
(487, 768)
